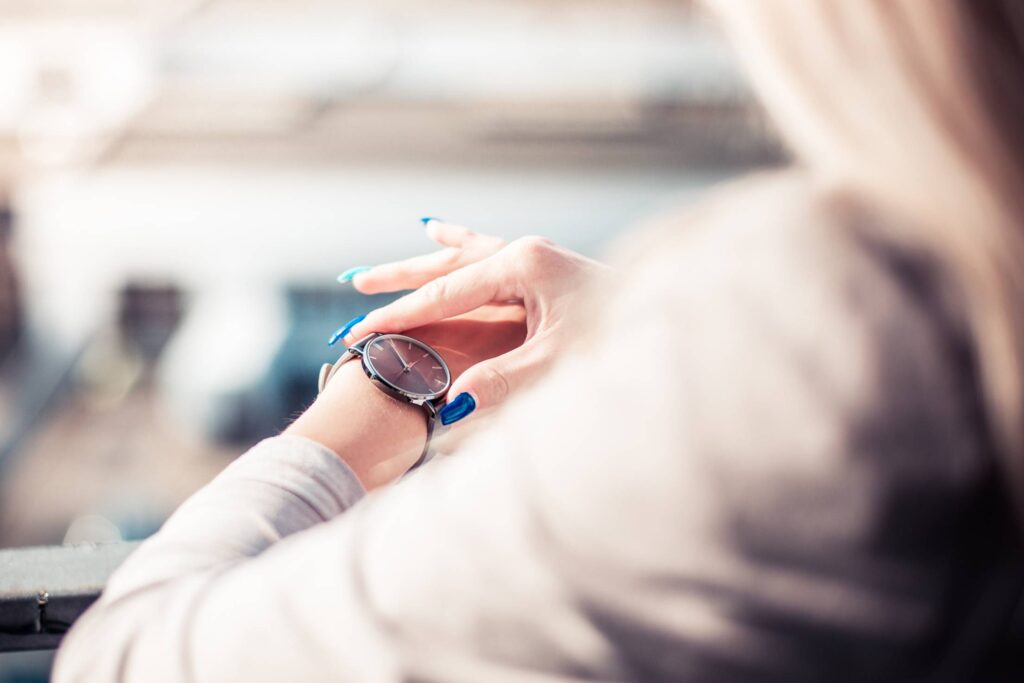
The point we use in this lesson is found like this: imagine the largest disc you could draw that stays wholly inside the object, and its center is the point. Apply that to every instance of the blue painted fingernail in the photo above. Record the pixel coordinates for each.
(457, 409)
(351, 273)
(343, 330)
(427, 219)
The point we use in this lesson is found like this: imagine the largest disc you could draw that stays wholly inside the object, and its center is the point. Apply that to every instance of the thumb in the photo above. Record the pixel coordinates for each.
(490, 382)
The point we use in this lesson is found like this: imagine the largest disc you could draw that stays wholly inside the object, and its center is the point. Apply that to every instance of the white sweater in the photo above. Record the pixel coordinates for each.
(768, 462)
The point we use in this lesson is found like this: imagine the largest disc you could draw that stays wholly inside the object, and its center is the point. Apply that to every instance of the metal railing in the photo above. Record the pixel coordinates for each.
(44, 590)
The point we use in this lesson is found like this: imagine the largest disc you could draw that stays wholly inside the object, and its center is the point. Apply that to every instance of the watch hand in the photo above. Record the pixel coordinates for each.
(421, 358)
(394, 350)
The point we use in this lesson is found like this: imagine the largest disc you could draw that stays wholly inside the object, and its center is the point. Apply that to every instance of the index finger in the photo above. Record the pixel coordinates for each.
(458, 292)
(409, 273)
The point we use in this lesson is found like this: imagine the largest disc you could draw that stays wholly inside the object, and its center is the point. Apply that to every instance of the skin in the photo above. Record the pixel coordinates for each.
(475, 270)
(380, 437)
(499, 313)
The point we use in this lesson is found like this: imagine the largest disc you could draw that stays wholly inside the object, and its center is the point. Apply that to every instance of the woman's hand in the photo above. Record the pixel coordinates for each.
(474, 271)
(380, 437)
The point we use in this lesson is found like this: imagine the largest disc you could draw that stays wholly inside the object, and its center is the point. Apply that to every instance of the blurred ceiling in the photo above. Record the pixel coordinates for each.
(309, 81)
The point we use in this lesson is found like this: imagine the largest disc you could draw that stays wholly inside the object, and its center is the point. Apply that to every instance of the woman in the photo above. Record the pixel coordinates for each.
(783, 442)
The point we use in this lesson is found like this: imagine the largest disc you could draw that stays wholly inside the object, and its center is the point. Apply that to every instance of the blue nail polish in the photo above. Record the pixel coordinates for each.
(427, 219)
(351, 273)
(343, 330)
(457, 409)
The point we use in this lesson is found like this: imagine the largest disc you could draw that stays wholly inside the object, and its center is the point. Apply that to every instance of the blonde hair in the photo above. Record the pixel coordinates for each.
(920, 107)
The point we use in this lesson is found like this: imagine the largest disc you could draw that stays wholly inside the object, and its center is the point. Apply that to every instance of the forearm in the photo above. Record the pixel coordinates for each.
(210, 579)
(353, 438)
(378, 437)
(281, 487)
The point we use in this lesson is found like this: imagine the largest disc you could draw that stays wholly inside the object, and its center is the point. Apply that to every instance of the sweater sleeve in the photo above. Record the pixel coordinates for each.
(757, 470)
(259, 577)
(140, 628)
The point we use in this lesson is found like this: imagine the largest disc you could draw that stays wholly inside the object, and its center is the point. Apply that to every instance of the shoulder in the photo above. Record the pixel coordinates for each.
(793, 307)
(774, 407)
(778, 248)
(750, 229)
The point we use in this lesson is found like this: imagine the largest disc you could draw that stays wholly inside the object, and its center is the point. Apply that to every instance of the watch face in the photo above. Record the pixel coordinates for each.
(407, 365)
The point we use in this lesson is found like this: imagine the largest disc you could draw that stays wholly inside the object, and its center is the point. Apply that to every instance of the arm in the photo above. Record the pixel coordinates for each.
(259, 577)
(724, 515)
(380, 438)
(195, 568)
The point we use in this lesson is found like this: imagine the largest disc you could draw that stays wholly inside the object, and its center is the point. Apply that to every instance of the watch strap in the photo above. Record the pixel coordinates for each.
(427, 453)
(328, 370)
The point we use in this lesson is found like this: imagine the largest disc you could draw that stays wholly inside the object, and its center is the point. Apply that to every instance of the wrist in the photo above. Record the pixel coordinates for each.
(377, 436)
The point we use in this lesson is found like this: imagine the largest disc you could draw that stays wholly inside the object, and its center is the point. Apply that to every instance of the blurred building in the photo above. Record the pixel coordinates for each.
(181, 180)
(185, 179)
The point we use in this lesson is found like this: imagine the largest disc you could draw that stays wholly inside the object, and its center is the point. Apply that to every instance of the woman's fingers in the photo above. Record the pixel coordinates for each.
(463, 247)
(458, 292)
(531, 270)
(408, 274)
(491, 382)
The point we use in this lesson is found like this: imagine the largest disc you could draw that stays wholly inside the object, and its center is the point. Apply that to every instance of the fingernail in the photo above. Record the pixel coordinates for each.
(343, 330)
(427, 219)
(347, 276)
(457, 409)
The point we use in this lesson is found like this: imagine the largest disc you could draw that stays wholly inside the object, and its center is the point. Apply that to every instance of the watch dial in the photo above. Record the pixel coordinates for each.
(407, 365)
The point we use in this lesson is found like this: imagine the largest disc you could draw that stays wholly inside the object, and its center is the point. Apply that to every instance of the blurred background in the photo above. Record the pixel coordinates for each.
(182, 180)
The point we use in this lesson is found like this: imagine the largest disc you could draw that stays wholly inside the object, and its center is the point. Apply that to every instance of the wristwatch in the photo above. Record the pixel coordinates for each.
(403, 368)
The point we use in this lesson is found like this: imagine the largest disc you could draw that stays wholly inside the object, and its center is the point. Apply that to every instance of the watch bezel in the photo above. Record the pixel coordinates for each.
(398, 392)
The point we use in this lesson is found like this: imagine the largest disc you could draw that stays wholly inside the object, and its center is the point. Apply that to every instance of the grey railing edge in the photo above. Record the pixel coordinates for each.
(43, 590)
